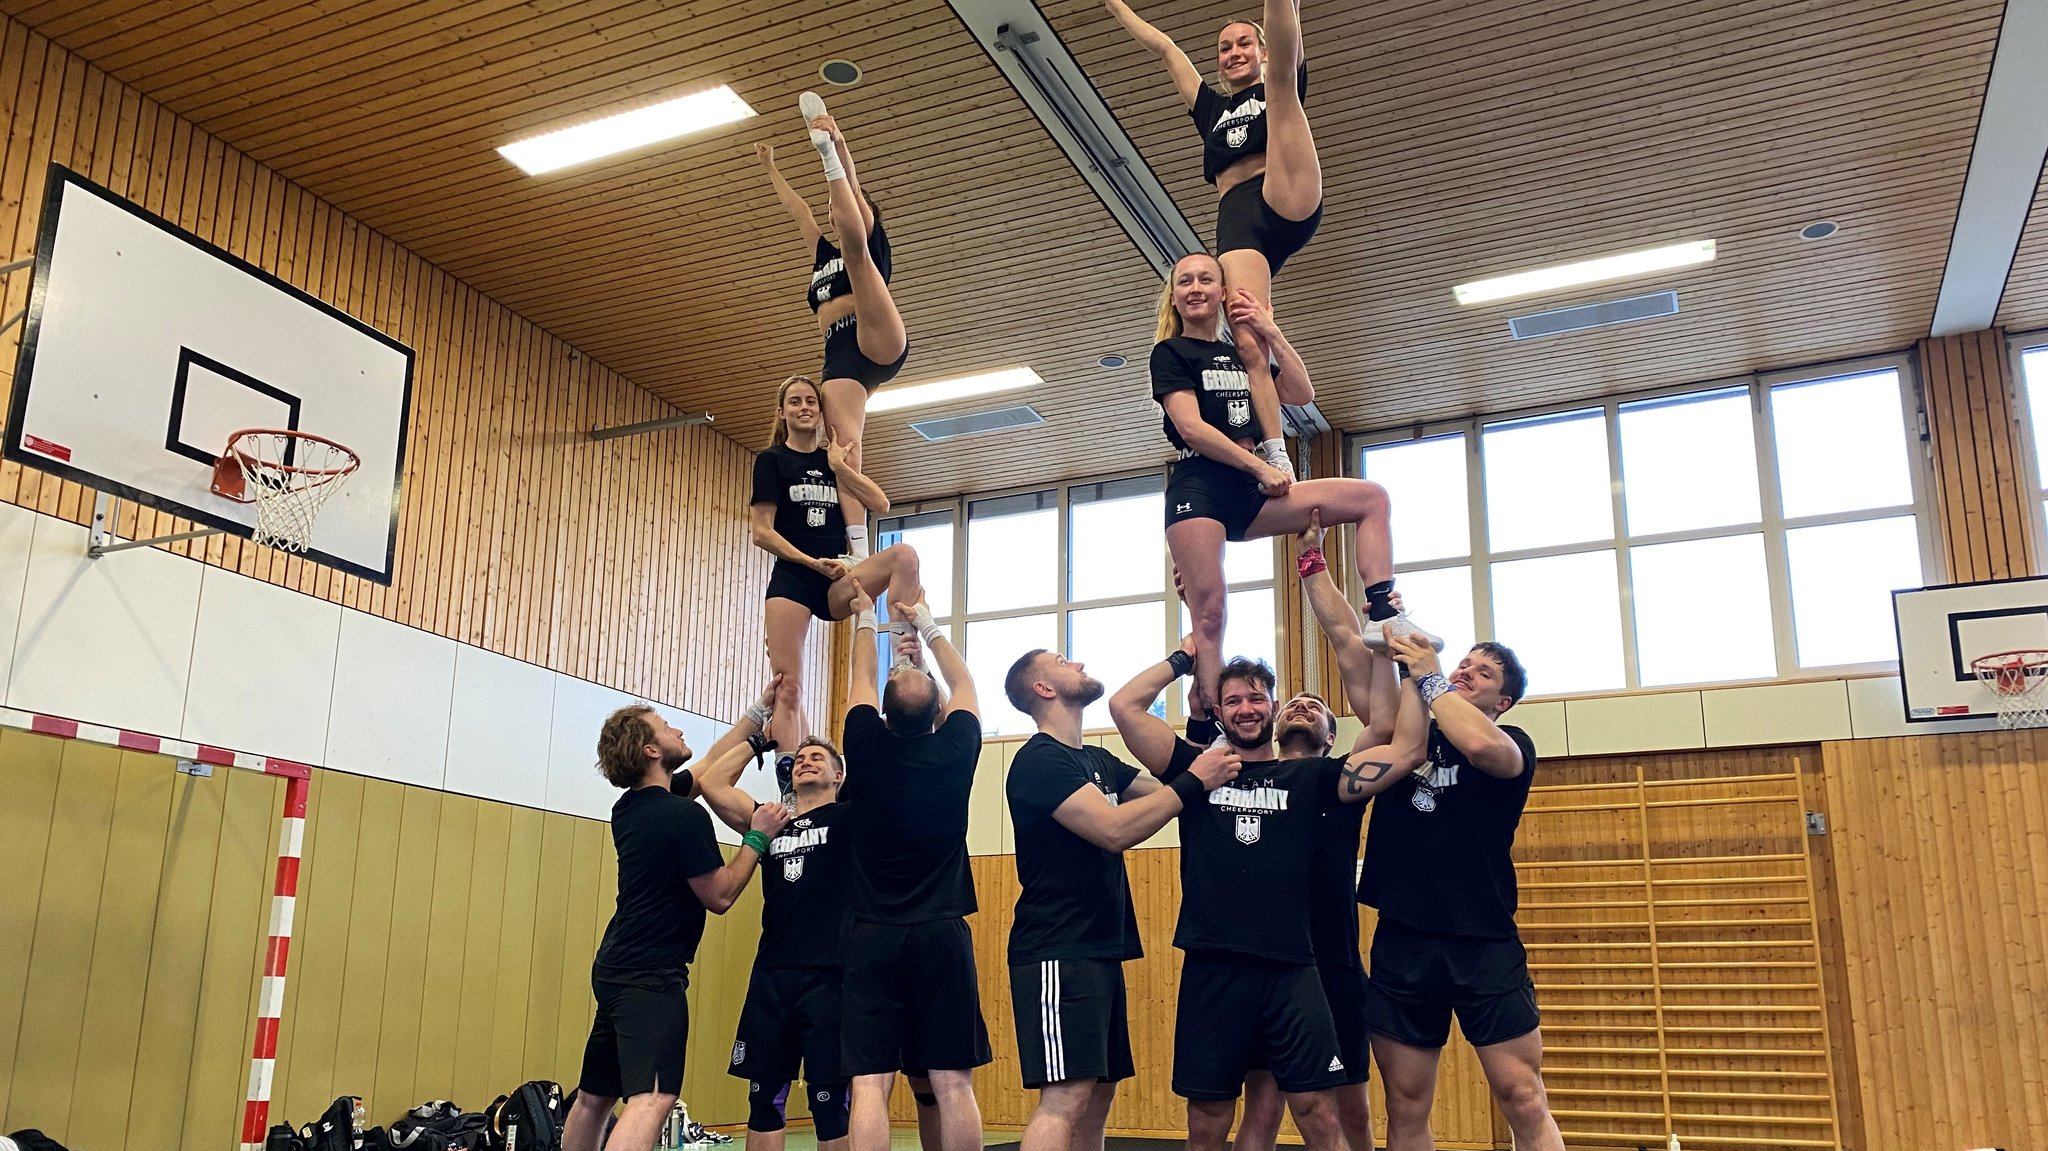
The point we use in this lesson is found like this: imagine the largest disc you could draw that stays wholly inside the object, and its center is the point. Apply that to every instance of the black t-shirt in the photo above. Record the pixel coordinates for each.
(1233, 126)
(1074, 900)
(1211, 370)
(804, 883)
(805, 493)
(1438, 850)
(907, 798)
(663, 841)
(1245, 857)
(828, 266)
(1333, 888)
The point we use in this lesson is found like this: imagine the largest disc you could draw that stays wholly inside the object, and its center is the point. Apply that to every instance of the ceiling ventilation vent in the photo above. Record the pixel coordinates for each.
(1600, 315)
(976, 423)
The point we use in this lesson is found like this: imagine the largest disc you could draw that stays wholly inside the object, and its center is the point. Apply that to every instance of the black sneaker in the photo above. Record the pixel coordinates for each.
(785, 768)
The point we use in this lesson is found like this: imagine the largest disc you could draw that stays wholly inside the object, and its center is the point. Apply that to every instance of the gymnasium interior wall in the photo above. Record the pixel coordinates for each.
(444, 933)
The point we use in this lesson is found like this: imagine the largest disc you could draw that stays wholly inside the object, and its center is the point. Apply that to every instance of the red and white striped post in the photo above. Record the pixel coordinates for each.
(270, 1001)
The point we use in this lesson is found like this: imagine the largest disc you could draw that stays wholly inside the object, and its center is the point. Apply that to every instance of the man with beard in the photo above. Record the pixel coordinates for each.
(910, 998)
(1076, 809)
(1250, 994)
(670, 873)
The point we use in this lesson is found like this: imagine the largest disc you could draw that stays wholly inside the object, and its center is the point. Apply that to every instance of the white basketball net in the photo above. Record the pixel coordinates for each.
(2018, 682)
(288, 495)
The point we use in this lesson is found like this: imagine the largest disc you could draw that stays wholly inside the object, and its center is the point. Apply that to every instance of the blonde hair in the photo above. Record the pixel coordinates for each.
(622, 744)
(780, 435)
(1169, 317)
(1258, 30)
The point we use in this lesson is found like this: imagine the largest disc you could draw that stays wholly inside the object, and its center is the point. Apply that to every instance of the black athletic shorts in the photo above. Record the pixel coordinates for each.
(795, 582)
(1245, 220)
(1200, 488)
(910, 999)
(1071, 1021)
(1237, 1013)
(1344, 988)
(845, 361)
(638, 1039)
(1418, 979)
(791, 1017)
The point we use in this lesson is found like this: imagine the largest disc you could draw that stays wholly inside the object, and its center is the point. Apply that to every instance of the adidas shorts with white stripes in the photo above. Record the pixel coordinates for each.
(1237, 1013)
(1071, 1022)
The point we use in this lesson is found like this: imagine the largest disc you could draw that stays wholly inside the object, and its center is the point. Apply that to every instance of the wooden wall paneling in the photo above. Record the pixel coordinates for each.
(165, 1076)
(309, 1041)
(110, 1033)
(1937, 845)
(243, 873)
(53, 1009)
(1982, 494)
(544, 991)
(582, 920)
(481, 944)
(369, 942)
(445, 935)
(402, 999)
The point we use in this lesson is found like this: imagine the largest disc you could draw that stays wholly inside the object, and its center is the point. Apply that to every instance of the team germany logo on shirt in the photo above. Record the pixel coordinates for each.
(1248, 828)
(1237, 134)
(1251, 804)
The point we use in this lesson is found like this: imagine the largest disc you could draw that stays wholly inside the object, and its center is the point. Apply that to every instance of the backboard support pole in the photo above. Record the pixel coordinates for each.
(106, 510)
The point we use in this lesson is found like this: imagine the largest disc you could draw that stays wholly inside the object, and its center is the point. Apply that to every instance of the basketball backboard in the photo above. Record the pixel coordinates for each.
(146, 347)
(1943, 628)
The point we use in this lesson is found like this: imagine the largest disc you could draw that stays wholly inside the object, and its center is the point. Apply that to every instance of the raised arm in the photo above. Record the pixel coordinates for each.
(719, 889)
(867, 491)
(959, 681)
(1369, 770)
(754, 721)
(1368, 681)
(1290, 374)
(1129, 822)
(1146, 735)
(1470, 730)
(718, 780)
(1187, 82)
(862, 690)
(798, 208)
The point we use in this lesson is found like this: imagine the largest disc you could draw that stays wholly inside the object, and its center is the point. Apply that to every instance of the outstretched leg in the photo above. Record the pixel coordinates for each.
(1343, 501)
(1294, 176)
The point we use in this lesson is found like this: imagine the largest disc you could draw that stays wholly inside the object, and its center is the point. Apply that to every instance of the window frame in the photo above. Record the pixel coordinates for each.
(2017, 346)
(1064, 605)
(1772, 522)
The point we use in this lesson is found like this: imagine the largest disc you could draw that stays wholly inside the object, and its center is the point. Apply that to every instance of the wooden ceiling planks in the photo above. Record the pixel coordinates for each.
(2024, 307)
(1458, 139)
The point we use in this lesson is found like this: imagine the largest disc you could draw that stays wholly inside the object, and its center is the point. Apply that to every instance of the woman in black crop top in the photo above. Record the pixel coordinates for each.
(1257, 150)
(800, 481)
(1213, 492)
(865, 344)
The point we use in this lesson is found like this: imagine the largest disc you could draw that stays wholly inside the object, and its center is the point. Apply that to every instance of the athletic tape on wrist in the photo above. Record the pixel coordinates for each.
(758, 714)
(1432, 685)
(865, 621)
(756, 839)
(1181, 662)
(1310, 562)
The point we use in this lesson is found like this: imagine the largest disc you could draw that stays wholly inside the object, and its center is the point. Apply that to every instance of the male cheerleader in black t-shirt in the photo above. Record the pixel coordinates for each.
(1249, 989)
(1372, 690)
(1075, 808)
(1438, 868)
(791, 1018)
(910, 995)
(670, 872)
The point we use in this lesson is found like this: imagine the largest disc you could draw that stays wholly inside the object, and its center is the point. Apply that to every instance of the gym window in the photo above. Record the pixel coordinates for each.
(1080, 568)
(2032, 353)
(1748, 531)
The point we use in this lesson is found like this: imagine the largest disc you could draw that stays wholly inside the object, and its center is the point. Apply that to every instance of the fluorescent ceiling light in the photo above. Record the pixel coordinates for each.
(1585, 272)
(944, 391)
(627, 130)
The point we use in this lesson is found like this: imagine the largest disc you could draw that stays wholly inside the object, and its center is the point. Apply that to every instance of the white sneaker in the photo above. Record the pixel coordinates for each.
(811, 105)
(1402, 625)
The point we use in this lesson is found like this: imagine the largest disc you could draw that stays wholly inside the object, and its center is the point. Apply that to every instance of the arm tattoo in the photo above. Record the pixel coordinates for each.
(1357, 776)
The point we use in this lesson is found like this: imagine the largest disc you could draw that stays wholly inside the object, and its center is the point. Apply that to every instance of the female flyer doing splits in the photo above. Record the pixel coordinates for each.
(1214, 492)
(865, 344)
(1257, 150)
